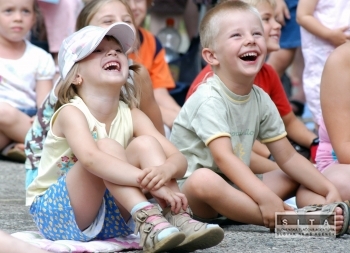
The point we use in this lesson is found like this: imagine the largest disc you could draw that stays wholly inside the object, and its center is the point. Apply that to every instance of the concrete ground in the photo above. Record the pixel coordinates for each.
(14, 217)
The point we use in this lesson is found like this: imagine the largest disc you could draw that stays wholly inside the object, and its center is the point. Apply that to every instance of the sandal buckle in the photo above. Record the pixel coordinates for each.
(148, 227)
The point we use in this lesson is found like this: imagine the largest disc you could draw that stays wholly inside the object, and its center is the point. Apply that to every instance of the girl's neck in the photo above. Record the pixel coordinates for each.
(12, 50)
(104, 108)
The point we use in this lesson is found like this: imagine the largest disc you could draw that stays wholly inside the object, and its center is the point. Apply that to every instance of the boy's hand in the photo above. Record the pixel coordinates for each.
(269, 207)
(153, 178)
(176, 200)
(333, 196)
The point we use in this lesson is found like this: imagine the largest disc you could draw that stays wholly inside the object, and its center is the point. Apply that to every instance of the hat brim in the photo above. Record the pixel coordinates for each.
(121, 31)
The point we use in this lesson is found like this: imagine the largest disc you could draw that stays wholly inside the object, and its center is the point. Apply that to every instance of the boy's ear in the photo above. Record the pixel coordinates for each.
(78, 80)
(209, 56)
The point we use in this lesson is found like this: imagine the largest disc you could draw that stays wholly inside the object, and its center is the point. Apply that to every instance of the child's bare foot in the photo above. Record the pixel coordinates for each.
(14, 152)
(339, 219)
(20, 146)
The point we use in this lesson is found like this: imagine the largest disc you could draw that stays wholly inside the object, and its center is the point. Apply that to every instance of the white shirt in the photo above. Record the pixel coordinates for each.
(18, 78)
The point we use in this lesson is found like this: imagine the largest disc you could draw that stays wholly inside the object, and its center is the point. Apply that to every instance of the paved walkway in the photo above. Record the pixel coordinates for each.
(14, 217)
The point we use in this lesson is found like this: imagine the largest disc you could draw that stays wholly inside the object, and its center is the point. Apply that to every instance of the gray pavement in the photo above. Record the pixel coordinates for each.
(14, 217)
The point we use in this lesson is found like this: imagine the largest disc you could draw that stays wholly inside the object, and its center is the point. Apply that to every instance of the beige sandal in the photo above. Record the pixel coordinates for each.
(13, 153)
(329, 208)
(149, 234)
(198, 234)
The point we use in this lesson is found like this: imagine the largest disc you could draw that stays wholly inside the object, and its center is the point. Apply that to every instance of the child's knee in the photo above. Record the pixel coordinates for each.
(145, 142)
(201, 181)
(107, 144)
(7, 112)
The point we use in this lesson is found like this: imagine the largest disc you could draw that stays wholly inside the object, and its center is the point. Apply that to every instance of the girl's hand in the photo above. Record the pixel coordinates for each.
(153, 178)
(338, 36)
(176, 200)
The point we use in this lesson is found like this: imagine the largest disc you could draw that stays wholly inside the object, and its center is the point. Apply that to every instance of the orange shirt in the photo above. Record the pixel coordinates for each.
(151, 54)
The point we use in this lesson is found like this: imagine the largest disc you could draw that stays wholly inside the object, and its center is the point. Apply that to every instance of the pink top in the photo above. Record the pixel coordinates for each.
(325, 155)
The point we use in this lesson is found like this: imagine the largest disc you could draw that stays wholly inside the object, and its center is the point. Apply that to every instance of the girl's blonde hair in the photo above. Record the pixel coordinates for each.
(129, 94)
(90, 10)
(209, 29)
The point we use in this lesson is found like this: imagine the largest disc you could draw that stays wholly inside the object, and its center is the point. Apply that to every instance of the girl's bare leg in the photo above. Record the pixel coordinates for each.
(84, 185)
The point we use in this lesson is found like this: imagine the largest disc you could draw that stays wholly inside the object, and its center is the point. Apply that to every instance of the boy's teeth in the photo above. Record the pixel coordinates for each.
(249, 54)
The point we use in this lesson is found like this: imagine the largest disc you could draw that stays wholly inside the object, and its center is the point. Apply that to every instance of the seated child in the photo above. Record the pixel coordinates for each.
(306, 142)
(217, 126)
(26, 74)
(101, 147)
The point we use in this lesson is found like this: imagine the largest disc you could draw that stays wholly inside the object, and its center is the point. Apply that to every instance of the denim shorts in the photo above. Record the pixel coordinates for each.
(29, 111)
(54, 217)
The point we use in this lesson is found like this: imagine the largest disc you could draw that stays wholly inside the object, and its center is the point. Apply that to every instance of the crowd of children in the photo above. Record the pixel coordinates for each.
(100, 132)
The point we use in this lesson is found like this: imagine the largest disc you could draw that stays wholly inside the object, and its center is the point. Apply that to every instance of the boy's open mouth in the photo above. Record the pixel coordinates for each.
(251, 56)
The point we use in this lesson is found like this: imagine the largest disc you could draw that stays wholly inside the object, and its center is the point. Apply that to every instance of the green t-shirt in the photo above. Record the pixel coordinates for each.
(214, 111)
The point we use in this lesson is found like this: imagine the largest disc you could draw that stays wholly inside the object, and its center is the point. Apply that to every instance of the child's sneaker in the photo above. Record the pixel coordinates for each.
(199, 235)
(149, 222)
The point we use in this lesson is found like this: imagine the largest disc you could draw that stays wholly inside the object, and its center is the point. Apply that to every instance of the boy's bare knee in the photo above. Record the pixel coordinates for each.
(203, 182)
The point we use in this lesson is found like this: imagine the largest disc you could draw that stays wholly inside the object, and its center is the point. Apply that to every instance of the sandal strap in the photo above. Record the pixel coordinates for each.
(327, 209)
(146, 228)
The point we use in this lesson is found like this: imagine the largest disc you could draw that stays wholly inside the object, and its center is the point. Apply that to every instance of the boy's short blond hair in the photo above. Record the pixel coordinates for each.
(209, 29)
(255, 3)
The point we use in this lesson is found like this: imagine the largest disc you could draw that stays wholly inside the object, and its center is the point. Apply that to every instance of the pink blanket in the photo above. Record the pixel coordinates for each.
(111, 245)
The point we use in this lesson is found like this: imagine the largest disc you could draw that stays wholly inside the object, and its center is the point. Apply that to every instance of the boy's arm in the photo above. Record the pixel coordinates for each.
(243, 177)
(297, 131)
(302, 170)
(306, 19)
(239, 173)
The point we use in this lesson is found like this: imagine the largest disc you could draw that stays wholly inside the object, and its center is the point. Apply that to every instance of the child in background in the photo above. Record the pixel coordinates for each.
(26, 75)
(324, 26)
(218, 124)
(151, 54)
(100, 13)
(333, 154)
(114, 165)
